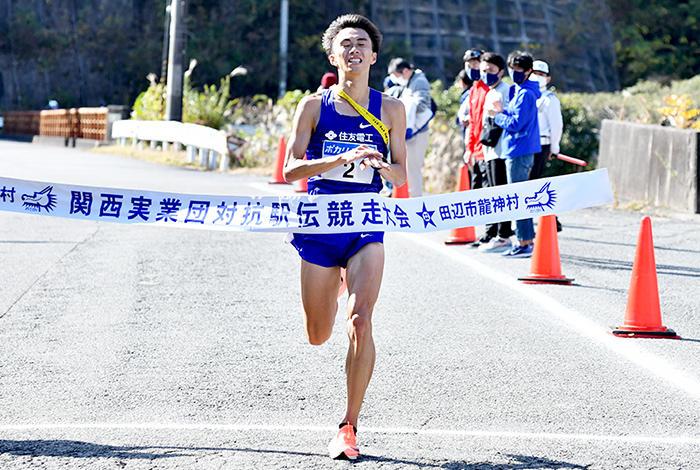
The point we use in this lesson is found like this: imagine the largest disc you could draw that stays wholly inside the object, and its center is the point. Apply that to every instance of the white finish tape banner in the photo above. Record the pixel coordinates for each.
(308, 214)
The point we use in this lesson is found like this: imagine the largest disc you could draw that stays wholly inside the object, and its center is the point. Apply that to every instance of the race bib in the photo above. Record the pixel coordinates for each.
(349, 172)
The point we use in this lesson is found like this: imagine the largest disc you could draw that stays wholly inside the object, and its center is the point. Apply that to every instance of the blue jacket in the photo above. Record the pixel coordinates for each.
(521, 131)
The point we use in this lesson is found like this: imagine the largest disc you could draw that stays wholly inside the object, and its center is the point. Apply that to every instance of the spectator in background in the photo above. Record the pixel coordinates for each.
(388, 83)
(472, 59)
(414, 92)
(464, 83)
(550, 121)
(492, 70)
(549, 118)
(328, 80)
(473, 154)
(521, 138)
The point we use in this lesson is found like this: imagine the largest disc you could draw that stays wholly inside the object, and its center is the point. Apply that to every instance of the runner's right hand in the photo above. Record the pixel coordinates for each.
(358, 153)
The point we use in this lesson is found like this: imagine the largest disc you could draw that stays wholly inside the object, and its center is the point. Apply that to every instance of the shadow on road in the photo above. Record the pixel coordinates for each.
(631, 245)
(618, 265)
(518, 462)
(79, 449)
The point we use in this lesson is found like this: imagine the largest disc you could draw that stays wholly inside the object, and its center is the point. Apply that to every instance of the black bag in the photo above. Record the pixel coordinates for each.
(491, 133)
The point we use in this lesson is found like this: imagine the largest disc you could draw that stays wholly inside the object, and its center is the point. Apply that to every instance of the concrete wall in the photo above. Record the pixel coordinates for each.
(655, 165)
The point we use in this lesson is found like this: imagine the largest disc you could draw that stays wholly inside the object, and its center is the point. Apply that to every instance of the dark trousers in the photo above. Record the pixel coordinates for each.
(539, 162)
(496, 176)
(480, 179)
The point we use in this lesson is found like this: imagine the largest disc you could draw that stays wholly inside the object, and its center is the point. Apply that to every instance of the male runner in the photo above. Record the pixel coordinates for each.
(324, 123)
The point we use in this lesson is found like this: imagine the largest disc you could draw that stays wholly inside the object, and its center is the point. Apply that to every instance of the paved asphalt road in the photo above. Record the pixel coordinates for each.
(153, 348)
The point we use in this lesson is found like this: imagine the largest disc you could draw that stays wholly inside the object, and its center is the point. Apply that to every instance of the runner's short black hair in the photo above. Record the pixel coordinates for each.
(495, 59)
(351, 20)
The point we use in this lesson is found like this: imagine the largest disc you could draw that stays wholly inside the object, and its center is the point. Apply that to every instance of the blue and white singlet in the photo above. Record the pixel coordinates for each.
(335, 134)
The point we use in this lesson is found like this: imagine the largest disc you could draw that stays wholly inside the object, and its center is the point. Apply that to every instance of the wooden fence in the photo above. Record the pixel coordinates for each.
(21, 122)
(80, 123)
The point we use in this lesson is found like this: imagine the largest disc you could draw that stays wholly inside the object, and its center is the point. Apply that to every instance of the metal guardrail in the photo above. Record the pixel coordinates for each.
(208, 145)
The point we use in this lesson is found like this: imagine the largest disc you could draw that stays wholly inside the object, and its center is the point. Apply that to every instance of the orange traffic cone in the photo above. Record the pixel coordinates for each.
(400, 191)
(278, 177)
(643, 314)
(302, 185)
(462, 235)
(545, 267)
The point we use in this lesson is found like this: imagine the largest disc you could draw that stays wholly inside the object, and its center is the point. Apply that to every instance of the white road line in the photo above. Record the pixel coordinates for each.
(542, 436)
(577, 322)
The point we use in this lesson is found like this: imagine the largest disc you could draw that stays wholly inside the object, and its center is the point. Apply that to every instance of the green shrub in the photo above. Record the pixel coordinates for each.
(210, 107)
(447, 100)
(291, 99)
(647, 102)
(580, 137)
(150, 104)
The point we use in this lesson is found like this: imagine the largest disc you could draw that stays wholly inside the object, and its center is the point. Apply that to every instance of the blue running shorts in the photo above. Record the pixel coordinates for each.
(333, 249)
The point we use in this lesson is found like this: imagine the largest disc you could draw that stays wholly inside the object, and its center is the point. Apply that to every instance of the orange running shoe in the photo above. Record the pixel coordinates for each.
(344, 445)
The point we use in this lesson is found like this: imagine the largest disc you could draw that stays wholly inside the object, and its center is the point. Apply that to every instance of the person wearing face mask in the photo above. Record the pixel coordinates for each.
(521, 138)
(493, 67)
(464, 83)
(413, 89)
(550, 121)
(549, 118)
(474, 154)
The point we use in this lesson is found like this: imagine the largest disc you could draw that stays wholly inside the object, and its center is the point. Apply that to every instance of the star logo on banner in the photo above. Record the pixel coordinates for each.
(427, 217)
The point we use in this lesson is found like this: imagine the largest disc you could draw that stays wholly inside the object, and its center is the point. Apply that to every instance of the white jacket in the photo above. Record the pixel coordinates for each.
(550, 120)
(415, 97)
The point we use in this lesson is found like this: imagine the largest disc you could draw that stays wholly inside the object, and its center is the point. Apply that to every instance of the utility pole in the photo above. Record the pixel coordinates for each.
(173, 103)
(284, 45)
(166, 40)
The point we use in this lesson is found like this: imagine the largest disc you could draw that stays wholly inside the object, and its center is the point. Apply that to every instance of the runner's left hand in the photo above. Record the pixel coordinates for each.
(374, 162)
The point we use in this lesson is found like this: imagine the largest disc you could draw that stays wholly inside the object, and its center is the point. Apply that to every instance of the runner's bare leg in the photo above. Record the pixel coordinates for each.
(319, 296)
(364, 278)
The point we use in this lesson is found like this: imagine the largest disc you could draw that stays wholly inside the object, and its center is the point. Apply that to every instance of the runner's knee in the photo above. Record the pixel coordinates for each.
(318, 334)
(359, 326)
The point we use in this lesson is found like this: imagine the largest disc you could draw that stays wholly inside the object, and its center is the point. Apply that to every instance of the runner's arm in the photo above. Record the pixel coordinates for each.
(305, 118)
(396, 172)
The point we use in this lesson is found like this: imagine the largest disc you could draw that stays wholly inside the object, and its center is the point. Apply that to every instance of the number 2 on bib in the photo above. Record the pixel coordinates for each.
(349, 172)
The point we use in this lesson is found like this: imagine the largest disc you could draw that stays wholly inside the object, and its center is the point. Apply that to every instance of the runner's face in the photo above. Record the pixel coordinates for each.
(352, 51)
